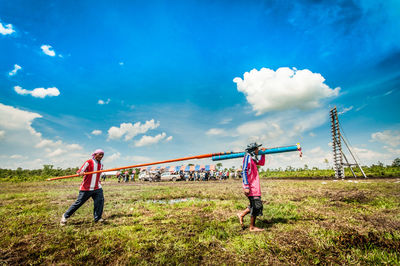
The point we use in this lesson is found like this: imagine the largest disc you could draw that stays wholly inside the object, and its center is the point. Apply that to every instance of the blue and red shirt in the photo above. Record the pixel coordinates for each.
(251, 180)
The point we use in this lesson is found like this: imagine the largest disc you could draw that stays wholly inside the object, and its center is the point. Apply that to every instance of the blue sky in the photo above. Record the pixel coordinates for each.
(155, 80)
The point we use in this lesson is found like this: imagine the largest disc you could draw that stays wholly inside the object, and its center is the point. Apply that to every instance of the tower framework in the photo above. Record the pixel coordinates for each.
(338, 154)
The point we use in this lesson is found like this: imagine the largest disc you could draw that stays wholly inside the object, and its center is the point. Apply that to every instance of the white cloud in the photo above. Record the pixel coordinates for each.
(259, 128)
(263, 131)
(8, 29)
(285, 128)
(73, 147)
(50, 145)
(56, 152)
(46, 143)
(15, 119)
(38, 92)
(369, 156)
(131, 130)
(267, 90)
(216, 132)
(14, 71)
(139, 159)
(309, 121)
(345, 110)
(393, 151)
(101, 102)
(226, 121)
(97, 132)
(388, 93)
(112, 157)
(2, 134)
(20, 138)
(17, 156)
(47, 49)
(388, 137)
(169, 138)
(148, 140)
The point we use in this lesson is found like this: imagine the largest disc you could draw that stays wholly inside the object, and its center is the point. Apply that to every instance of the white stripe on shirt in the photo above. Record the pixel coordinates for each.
(94, 176)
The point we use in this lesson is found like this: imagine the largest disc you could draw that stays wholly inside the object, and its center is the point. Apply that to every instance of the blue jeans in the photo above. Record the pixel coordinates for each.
(98, 198)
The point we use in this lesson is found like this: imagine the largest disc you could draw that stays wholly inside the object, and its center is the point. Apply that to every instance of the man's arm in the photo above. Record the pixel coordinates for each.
(83, 168)
(261, 162)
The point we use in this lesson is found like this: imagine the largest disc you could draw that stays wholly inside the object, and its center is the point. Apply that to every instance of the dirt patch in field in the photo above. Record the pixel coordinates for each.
(350, 196)
(352, 238)
(384, 223)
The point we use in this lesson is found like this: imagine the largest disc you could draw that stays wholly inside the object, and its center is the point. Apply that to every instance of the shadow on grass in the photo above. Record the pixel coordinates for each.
(267, 223)
(119, 215)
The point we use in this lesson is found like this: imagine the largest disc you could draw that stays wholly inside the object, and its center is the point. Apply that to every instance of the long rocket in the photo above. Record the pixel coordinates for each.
(214, 156)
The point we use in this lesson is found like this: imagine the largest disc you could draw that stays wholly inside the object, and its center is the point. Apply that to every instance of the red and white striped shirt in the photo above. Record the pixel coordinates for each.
(91, 181)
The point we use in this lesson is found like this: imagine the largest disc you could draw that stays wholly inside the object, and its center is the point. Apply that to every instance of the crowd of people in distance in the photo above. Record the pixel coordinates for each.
(201, 175)
(208, 175)
(124, 177)
(121, 176)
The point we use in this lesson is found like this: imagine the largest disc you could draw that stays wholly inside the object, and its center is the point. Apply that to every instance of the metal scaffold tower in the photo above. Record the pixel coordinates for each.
(338, 154)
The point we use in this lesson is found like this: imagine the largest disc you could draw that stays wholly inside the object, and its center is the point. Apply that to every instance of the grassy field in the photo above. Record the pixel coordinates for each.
(305, 222)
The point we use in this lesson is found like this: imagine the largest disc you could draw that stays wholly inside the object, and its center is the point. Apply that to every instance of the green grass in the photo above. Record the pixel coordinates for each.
(305, 222)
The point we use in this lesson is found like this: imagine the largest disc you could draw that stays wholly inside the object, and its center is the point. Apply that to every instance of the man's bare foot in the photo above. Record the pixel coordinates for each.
(239, 215)
(256, 229)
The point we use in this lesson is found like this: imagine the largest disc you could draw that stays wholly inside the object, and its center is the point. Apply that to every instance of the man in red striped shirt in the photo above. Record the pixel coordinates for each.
(90, 188)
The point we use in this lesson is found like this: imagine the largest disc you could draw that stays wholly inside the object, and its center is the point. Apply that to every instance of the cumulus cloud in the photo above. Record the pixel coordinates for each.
(308, 121)
(55, 148)
(101, 102)
(261, 131)
(139, 159)
(56, 152)
(369, 156)
(388, 137)
(268, 90)
(48, 49)
(6, 29)
(15, 119)
(38, 92)
(112, 157)
(96, 132)
(169, 138)
(46, 143)
(285, 128)
(130, 130)
(14, 71)
(19, 137)
(149, 140)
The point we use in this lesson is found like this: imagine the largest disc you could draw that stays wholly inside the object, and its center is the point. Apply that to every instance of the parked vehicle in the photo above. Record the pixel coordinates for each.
(145, 176)
(169, 176)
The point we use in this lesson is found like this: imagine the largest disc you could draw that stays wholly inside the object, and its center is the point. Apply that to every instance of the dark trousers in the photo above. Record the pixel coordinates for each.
(98, 198)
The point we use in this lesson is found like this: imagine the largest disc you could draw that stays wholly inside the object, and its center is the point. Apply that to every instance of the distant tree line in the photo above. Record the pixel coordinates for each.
(375, 170)
(38, 174)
